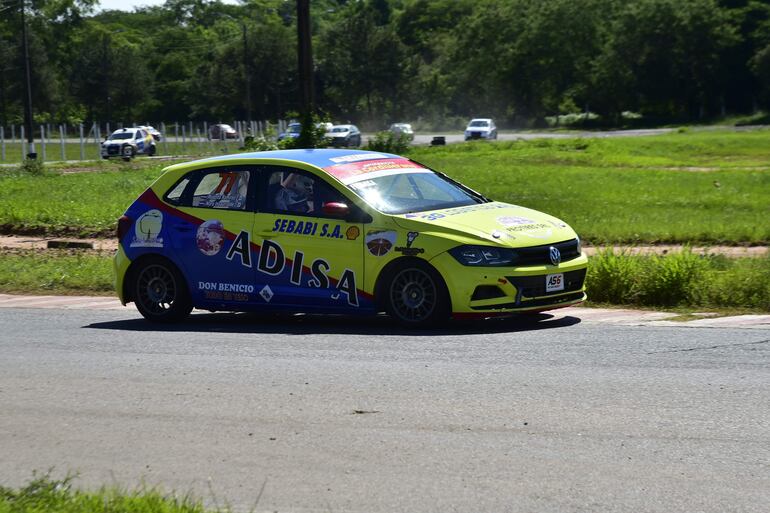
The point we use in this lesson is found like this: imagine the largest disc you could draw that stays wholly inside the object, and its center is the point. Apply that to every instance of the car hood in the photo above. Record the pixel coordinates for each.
(496, 222)
(117, 142)
(337, 134)
(478, 129)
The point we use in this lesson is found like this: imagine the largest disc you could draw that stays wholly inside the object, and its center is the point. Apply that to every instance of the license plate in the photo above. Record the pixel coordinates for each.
(554, 282)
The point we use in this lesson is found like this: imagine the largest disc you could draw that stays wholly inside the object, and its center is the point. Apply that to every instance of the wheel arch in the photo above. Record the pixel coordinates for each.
(128, 281)
(397, 263)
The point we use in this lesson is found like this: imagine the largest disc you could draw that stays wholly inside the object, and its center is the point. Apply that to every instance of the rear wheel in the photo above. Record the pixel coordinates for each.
(416, 295)
(160, 291)
(152, 151)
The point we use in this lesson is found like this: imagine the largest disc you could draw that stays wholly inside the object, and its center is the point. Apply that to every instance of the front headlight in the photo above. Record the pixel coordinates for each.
(579, 246)
(484, 256)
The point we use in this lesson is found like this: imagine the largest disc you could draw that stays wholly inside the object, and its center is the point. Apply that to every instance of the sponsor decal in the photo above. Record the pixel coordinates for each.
(358, 157)
(527, 227)
(380, 242)
(456, 211)
(353, 171)
(216, 291)
(514, 221)
(240, 247)
(327, 230)
(409, 250)
(266, 293)
(210, 237)
(352, 233)
(272, 261)
(147, 230)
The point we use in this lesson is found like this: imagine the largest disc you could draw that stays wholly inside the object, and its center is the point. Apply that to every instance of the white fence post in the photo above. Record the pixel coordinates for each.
(42, 142)
(61, 138)
(82, 147)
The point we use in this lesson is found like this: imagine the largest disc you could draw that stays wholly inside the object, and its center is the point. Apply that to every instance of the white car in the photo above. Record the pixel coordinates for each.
(345, 135)
(481, 128)
(402, 128)
(127, 143)
(154, 132)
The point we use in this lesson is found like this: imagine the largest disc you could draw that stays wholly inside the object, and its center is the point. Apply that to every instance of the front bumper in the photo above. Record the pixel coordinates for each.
(482, 291)
(112, 150)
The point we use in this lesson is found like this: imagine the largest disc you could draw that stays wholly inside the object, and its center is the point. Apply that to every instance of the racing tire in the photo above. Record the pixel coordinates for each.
(127, 152)
(152, 151)
(160, 291)
(415, 295)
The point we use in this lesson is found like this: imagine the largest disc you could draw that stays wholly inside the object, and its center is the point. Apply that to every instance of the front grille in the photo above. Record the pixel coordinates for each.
(534, 286)
(475, 135)
(540, 255)
(113, 150)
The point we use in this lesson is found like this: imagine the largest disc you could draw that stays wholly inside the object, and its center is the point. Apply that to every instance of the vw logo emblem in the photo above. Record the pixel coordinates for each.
(555, 255)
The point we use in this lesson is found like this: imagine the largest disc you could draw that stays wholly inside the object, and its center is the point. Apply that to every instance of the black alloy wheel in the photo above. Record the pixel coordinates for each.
(160, 292)
(417, 296)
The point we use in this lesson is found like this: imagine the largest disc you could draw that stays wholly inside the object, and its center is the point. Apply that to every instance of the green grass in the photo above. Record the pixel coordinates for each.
(680, 279)
(44, 494)
(697, 187)
(56, 271)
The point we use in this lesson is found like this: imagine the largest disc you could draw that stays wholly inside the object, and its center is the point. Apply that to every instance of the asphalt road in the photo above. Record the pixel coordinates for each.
(341, 415)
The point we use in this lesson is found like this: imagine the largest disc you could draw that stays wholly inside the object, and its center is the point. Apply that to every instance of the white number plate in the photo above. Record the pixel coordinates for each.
(554, 282)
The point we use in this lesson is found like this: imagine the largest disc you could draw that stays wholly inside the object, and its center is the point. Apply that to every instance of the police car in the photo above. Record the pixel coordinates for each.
(338, 231)
(126, 143)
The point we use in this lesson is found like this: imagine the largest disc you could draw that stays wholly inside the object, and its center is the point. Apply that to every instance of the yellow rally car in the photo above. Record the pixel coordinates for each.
(338, 231)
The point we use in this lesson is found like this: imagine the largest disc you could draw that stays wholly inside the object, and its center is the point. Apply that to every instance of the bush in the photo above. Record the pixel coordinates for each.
(679, 279)
(33, 167)
(388, 142)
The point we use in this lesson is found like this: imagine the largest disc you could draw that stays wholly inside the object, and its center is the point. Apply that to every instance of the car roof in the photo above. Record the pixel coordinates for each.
(343, 126)
(480, 119)
(127, 129)
(322, 158)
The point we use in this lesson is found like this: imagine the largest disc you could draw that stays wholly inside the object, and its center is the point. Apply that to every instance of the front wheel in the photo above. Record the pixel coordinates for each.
(416, 295)
(128, 152)
(160, 291)
(152, 151)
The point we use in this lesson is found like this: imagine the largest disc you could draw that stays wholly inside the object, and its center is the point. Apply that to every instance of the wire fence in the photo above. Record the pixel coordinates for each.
(67, 142)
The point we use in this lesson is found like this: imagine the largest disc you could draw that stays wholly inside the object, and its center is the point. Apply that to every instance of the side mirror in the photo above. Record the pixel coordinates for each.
(334, 209)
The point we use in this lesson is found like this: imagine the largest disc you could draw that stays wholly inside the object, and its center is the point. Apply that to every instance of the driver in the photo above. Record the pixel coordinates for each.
(295, 194)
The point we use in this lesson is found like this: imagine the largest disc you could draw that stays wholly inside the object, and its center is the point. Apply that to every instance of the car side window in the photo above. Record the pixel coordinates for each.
(220, 188)
(294, 192)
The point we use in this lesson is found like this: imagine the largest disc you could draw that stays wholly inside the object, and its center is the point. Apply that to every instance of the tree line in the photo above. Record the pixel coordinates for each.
(381, 61)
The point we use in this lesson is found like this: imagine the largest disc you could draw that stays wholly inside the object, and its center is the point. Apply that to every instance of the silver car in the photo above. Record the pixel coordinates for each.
(481, 128)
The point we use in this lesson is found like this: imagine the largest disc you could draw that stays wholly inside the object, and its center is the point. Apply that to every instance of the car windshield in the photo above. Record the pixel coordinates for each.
(340, 129)
(122, 135)
(412, 192)
(478, 122)
(295, 129)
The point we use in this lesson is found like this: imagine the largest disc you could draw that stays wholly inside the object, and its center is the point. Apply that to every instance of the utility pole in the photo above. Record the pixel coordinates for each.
(305, 54)
(32, 155)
